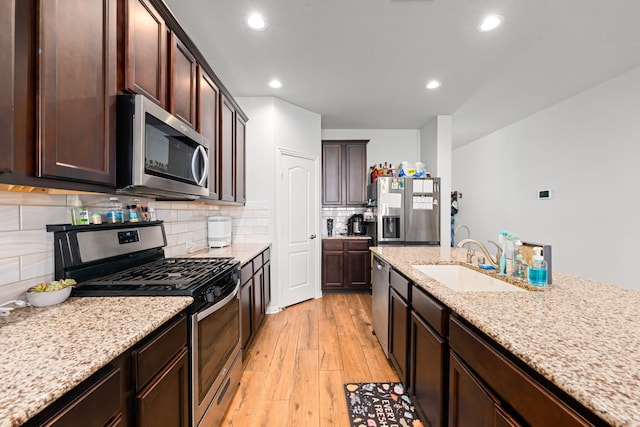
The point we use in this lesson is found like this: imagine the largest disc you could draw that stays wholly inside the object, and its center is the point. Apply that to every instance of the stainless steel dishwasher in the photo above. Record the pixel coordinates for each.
(380, 302)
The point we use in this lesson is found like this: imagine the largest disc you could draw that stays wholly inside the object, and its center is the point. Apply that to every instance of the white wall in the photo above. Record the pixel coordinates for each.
(429, 146)
(586, 149)
(275, 123)
(385, 145)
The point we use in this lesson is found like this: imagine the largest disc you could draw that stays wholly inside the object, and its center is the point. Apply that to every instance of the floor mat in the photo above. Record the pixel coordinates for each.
(380, 404)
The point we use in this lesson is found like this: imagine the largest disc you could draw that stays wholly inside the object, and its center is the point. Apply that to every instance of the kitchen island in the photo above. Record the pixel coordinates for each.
(48, 351)
(582, 336)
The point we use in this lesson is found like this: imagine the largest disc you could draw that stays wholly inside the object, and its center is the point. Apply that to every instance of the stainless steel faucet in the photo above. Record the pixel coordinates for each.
(465, 227)
(492, 261)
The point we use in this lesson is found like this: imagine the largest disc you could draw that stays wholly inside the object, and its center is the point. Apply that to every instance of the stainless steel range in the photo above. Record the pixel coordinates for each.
(128, 260)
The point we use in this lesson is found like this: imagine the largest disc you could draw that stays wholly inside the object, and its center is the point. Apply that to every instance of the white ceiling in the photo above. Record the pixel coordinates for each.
(363, 64)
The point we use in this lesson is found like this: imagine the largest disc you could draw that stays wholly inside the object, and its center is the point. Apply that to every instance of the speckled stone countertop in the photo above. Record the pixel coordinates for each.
(346, 237)
(47, 351)
(243, 252)
(582, 335)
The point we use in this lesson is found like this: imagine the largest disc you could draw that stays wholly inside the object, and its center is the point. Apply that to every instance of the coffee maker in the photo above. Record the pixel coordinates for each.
(356, 225)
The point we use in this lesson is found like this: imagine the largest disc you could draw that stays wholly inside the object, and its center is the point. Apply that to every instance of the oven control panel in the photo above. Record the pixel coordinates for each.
(128, 236)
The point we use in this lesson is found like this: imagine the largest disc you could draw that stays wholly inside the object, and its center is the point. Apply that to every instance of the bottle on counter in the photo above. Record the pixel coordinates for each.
(115, 214)
(132, 212)
(538, 269)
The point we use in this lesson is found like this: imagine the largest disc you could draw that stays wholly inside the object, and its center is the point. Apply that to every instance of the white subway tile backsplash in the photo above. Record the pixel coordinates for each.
(9, 270)
(37, 217)
(18, 243)
(37, 265)
(10, 218)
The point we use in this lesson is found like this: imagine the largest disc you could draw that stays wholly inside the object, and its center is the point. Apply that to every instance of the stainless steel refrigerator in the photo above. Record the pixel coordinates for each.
(407, 211)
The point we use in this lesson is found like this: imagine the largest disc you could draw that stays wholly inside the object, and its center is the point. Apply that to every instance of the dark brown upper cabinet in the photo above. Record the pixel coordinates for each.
(145, 47)
(227, 162)
(7, 83)
(344, 172)
(76, 101)
(240, 160)
(208, 109)
(182, 87)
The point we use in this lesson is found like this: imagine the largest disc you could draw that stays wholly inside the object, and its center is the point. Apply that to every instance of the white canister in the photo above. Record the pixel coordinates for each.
(219, 231)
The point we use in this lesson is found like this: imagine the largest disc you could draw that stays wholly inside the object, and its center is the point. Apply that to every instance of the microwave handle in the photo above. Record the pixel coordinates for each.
(200, 151)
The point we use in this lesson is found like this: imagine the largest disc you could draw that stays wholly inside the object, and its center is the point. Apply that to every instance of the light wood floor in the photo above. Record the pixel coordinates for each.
(295, 369)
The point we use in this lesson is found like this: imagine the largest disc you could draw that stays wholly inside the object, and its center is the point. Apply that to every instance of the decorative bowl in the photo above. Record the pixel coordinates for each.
(44, 299)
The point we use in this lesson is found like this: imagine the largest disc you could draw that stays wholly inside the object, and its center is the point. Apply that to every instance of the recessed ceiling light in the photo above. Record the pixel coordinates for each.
(491, 22)
(433, 84)
(256, 22)
(275, 83)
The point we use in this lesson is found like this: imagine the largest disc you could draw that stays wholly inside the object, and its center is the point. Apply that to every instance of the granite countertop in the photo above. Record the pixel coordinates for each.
(345, 237)
(582, 335)
(243, 252)
(47, 351)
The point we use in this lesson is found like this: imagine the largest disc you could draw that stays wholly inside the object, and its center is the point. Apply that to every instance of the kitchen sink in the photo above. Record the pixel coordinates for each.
(464, 279)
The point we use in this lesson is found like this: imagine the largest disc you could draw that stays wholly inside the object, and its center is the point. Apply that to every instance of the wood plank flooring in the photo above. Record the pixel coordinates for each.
(295, 369)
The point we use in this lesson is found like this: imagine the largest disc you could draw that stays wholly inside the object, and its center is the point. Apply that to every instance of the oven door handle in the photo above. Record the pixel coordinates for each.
(215, 307)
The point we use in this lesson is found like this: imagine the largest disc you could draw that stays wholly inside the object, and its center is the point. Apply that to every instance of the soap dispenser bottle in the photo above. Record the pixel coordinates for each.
(538, 269)
(502, 262)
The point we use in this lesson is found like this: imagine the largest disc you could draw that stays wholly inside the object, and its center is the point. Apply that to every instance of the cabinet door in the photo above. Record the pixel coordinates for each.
(356, 174)
(399, 330)
(240, 160)
(77, 88)
(182, 87)
(332, 178)
(208, 107)
(98, 406)
(246, 303)
(165, 399)
(427, 382)
(502, 419)
(333, 263)
(358, 260)
(469, 403)
(7, 68)
(258, 299)
(227, 164)
(267, 284)
(145, 51)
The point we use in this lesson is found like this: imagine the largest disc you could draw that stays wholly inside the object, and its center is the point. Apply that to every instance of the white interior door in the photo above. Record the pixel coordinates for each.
(298, 225)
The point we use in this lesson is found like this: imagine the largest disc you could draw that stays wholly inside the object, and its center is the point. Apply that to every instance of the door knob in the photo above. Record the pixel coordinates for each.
(313, 236)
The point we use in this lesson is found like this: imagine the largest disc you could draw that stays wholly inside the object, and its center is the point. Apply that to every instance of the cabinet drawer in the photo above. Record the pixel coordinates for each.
(154, 355)
(97, 406)
(537, 405)
(246, 272)
(266, 256)
(430, 310)
(358, 245)
(332, 245)
(399, 283)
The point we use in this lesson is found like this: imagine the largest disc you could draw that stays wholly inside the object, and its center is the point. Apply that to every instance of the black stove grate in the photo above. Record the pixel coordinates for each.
(176, 272)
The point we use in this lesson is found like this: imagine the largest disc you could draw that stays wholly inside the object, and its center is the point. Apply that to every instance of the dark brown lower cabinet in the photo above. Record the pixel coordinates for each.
(469, 402)
(100, 405)
(346, 265)
(258, 298)
(165, 401)
(246, 304)
(484, 381)
(398, 334)
(427, 373)
(255, 295)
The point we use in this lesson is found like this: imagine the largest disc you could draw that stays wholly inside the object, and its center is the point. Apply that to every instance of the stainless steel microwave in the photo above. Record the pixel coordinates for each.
(157, 154)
